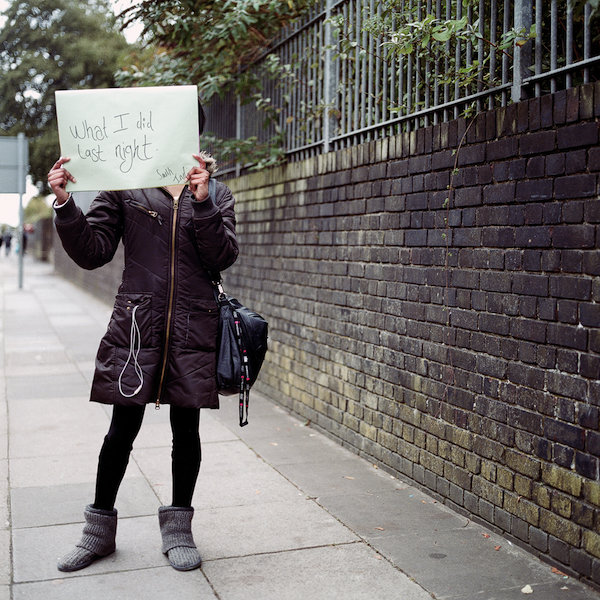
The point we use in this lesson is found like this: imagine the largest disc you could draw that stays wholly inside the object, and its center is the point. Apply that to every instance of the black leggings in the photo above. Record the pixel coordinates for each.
(114, 455)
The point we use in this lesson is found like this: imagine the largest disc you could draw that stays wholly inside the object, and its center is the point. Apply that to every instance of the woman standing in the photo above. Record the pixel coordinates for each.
(160, 344)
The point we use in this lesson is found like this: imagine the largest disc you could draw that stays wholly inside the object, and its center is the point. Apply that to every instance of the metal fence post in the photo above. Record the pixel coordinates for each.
(329, 82)
(238, 129)
(522, 54)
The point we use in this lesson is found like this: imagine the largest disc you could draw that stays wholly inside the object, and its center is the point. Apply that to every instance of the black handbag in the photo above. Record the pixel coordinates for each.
(241, 342)
(241, 348)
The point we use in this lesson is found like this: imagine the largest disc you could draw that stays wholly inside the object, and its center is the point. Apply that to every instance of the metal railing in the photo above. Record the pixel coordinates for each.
(330, 97)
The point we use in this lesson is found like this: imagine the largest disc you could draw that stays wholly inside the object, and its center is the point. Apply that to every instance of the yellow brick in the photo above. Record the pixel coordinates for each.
(561, 479)
(488, 470)
(522, 486)
(561, 528)
(504, 478)
(591, 492)
(562, 505)
(541, 495)
(591, 542)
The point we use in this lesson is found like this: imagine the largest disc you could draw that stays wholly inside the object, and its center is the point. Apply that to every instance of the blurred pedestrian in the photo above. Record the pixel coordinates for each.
(7, 239)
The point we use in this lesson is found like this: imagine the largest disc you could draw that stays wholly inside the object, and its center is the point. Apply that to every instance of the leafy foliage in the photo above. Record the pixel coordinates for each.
(49, 45)
(37, 209)
(212, 44)
(205, 42)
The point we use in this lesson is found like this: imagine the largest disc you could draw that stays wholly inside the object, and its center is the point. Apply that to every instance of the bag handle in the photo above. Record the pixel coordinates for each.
(217, 282)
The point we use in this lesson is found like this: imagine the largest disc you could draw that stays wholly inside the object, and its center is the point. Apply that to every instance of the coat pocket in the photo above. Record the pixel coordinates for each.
(199, 325)
(131, 313)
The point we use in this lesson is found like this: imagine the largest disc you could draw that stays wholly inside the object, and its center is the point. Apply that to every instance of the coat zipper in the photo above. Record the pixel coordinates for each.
(170, 304)
(151, 213)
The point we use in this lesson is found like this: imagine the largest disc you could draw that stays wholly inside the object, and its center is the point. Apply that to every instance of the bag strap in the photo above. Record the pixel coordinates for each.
(215, 276)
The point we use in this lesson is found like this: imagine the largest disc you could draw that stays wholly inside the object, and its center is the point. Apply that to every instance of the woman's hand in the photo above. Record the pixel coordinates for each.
(58, 178)
(198, 179)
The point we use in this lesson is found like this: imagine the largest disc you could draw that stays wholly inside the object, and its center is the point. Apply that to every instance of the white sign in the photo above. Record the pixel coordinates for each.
(128, 138)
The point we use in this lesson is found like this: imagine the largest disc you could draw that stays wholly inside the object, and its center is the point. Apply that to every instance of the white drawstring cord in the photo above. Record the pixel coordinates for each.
(135, 343)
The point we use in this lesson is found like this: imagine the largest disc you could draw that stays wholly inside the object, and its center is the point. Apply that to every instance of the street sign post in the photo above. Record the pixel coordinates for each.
(14, 163)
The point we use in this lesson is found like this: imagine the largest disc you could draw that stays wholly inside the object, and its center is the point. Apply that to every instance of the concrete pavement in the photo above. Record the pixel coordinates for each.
(282, 512)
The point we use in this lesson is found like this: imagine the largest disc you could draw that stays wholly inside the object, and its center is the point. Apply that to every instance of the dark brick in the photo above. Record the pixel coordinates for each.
(582, 134)
(527, 329)
(562, 455)
(538, 539)
(589, 416)
(560, 107)
(519, 528)
(536, 285)
(558, 549)
(547, 110)
(537, 237)
(593, 442)
(500, 193)
(565, 286)
(523, 419)
(589, 315)
(580, 562)
(573, 236)
(536, 167)
(543, 449)
(547, 309)
(572, 112)
(555, 164)
(576, 162)
(586, 465)
(503, 237)
(398, 168)
(551, 213)
(503, 148)
(533, 190)
(567, 311)
(520, 374)
(575, 186)
(535, 143)
(564, 433)
(469, 196)
(589, 366)
(534, 113)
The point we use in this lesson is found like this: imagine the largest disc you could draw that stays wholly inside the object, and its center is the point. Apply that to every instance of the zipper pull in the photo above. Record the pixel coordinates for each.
(157, 405)
(155, 215)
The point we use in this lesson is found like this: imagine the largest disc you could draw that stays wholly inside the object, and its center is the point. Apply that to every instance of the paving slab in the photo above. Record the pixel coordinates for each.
(37, 549)
(157, 583)
(349, 571)
(34, 433)
(260, 528)
(43, 471)
(230, 475)
(46, 386)
(62, 504)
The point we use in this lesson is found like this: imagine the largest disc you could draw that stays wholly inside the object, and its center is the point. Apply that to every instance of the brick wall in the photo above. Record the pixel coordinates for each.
(448, 334)
(434, 303)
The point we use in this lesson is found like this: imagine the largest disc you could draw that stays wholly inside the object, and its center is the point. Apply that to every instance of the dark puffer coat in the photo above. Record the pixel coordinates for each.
(162, 335)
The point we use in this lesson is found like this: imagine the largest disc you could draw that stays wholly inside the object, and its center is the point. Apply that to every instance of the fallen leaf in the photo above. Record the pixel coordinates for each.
(348, 477)
(380, 528)
(527, 590)
(274, 444)
(485, 535)
(557, 572)
(564, 587)
(496, 548)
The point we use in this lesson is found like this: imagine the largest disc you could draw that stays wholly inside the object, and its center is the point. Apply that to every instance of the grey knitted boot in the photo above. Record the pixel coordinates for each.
(177, 539)
(98, 539)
